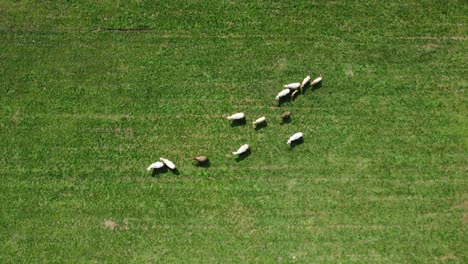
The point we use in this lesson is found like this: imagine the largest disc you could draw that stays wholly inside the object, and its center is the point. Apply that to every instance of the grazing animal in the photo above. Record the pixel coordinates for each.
(295, 137)
(286, 115)
(241, 150)
(237, 116)
(259, 121)
(317, 80)
(282, 94)
(156, 165)
(305, 81)
(201, 159)
(292, 86)
(168, 163)
(294, 93)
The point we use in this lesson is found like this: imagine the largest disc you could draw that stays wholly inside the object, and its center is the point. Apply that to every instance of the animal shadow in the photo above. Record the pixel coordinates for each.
(284, 99)
(296, 143)
(238, 122)
(293, 98)
(261, 125)
(205, 164)
(286, 120)
(157, 172)
(305, 88)
(317, 86)
(243, 156)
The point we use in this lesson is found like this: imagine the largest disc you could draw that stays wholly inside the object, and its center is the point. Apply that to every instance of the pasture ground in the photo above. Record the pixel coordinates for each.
(92, 92)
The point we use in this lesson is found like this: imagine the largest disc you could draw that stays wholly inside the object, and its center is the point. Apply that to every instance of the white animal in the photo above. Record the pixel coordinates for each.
(241, 150)
(156, 165)
(237, 116)
(292, 86)
(316, 81)
(168, 163)
(282, 94)
(259, 121)
(305, 81)
(295, 137)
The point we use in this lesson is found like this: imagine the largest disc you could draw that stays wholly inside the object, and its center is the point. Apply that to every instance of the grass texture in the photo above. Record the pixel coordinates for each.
(92, 92)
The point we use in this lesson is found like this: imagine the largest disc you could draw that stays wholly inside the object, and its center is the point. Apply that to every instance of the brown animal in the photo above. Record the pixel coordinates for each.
(201, 159)
(293, 95)
(286, 115)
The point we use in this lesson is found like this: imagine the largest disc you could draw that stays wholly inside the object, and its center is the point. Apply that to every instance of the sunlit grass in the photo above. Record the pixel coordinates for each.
(92, 93)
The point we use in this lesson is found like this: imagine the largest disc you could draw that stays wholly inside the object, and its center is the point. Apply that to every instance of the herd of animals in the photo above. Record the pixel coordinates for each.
(291, 90)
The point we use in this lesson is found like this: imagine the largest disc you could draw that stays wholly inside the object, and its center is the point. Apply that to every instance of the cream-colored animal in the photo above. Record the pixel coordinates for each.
(305, 81)
(168, 163)
(156, 165)
(236, 116)
(241, 150)
(259, 121)
(292, 86)
(295, 137)
(282, 94)
(317, 80)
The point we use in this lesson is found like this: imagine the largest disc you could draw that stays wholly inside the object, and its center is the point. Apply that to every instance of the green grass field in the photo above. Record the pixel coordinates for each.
(92, 92)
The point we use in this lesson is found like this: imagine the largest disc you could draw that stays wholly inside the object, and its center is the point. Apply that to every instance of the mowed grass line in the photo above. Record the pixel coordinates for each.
(381, 176)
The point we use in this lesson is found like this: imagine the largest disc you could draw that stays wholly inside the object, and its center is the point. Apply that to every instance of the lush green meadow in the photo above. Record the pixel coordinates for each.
(92, 92)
